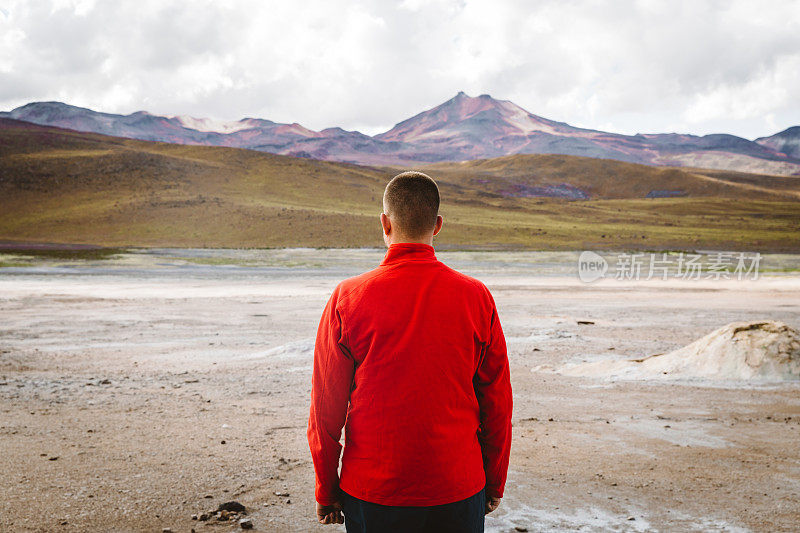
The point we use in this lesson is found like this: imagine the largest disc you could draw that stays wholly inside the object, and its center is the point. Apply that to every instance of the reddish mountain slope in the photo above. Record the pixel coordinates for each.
(462, 128)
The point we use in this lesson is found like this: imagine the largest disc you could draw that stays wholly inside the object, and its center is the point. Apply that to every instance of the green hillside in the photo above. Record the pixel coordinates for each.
(63, 186)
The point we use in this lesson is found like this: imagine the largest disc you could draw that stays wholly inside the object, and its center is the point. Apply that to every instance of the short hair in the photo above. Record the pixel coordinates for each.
(412, 200)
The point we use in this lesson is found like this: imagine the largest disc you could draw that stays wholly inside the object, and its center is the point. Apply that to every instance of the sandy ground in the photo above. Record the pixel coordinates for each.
(135, 396)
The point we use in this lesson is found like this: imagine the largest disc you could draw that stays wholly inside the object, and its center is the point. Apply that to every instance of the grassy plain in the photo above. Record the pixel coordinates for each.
(61, 186)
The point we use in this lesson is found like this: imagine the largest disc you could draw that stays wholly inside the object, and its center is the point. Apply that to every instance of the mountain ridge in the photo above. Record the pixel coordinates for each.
(461, 128)
(63, 186)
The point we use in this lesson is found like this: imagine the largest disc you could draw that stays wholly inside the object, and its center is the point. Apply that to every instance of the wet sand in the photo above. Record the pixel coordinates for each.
(120, 381)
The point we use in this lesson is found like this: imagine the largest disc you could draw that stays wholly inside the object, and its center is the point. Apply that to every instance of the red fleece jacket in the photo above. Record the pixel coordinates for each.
(411, 360)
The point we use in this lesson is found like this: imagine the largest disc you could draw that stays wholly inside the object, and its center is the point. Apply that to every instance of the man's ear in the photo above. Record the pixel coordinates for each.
(438, 227)
(386, 223)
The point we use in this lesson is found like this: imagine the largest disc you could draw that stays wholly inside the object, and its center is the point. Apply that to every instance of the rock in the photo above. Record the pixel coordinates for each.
(631, 518)
(757, 350)
(204, 516)
(194, 517)
(166, 530)
(233, 506)
(246, 523)
(520, 528)
(585, 322)
(282, 494)
(107, 382)
(54, 458)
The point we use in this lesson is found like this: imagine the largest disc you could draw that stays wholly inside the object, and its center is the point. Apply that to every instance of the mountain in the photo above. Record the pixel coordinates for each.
(787, 142)
(64, 186)
(465, 128)
(462, 128)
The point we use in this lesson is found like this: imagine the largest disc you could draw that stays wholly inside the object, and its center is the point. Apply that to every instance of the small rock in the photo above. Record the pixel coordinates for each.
(54, 458)
(631, 518)
(234, 507)
(222, 442)
(288, 501)
(585, 322)
(246, 523)
(204, 516)
(520, 528)
(282, 494)
(107, 382)
(194, 517)
(166, 530)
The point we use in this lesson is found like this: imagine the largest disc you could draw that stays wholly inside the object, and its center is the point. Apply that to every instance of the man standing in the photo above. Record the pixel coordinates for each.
(411, 360)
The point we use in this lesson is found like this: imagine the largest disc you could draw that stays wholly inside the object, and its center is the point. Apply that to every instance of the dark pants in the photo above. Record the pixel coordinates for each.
(465, 516)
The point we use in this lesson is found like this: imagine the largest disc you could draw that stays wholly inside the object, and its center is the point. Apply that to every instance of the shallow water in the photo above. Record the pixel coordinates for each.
(215, 262)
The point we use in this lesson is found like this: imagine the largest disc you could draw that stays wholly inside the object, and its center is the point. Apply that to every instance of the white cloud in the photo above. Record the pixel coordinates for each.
(642, 66)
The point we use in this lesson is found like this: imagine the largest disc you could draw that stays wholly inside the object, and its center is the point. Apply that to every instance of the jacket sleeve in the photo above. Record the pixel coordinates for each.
(493, 390)
(331, 383)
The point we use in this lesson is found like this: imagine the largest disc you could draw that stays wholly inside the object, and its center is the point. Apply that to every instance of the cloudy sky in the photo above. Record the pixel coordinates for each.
(624, 66)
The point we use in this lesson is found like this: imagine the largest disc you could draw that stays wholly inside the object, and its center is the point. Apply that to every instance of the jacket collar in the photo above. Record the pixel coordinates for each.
(408, 251)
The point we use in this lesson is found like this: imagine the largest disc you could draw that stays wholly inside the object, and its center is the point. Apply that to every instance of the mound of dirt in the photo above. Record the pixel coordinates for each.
(761, 350)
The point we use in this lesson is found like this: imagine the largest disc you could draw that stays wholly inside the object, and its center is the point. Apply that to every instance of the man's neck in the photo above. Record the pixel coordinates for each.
(401, 240)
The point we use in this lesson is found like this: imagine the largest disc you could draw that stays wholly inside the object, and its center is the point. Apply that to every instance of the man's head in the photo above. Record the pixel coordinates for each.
(411, 209)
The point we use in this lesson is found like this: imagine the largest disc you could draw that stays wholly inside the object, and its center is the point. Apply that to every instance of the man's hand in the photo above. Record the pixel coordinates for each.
(330, 514)
(492, 504)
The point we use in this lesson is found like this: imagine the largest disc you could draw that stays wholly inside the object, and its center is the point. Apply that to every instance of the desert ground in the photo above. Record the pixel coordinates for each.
(139, 390)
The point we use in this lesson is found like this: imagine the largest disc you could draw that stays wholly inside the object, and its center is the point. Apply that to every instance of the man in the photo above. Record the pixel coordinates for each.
(411, 360)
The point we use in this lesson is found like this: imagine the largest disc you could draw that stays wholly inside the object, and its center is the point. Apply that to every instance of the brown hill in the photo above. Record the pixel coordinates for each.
(64, 186)
(606, 179)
